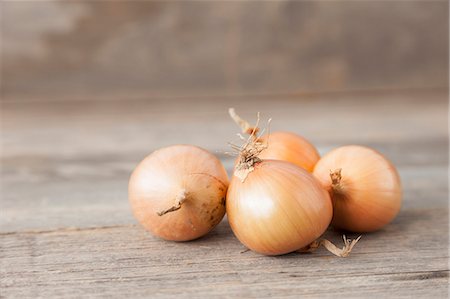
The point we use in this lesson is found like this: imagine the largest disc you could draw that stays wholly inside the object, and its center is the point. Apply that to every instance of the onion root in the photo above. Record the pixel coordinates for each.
(341, 252)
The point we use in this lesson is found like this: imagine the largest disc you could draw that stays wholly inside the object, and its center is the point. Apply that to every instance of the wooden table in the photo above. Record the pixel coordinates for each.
(67, 230)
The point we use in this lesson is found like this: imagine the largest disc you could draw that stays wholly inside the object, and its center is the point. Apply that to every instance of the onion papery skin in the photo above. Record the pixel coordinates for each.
(290, 147)
(279, 208)
(173, 171)
(369, 194)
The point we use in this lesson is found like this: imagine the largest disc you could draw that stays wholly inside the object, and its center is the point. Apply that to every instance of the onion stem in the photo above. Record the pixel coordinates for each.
(336, 178)
(245, 126)
(178, 202)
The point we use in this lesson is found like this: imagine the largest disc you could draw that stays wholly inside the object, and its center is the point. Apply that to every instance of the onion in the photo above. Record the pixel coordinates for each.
(364, 186)
(278, 208)
(178, 192)
(283, 146)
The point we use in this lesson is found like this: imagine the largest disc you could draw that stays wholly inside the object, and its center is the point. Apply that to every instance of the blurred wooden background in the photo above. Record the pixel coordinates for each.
(89, 88)
(132, 48)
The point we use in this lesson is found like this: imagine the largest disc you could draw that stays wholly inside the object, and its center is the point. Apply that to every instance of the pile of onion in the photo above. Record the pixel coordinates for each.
(281, 198)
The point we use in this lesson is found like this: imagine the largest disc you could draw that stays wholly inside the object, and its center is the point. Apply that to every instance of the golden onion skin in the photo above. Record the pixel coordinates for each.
(279, 208)
(369, 194)
(173, 171)
(290, 147)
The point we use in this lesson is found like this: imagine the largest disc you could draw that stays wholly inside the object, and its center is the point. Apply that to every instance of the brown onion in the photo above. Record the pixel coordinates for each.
(178, 192)
(364, 186)
(278, 208)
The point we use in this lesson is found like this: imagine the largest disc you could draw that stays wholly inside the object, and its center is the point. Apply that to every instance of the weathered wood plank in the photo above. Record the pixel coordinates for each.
(77, 128)
(66, 229)
(407, 258)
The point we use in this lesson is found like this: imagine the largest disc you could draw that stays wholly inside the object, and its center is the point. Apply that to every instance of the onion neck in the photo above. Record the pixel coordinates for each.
(336, 177)
(179, 200)
(248, 158)
(249, 151)
(245, 166)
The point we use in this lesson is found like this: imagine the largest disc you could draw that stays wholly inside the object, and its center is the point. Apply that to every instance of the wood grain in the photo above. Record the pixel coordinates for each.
(127, 261)
(66, 229)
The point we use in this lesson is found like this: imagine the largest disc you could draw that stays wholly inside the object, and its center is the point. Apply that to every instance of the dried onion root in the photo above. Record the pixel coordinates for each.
(283, 146)
(341, 252)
